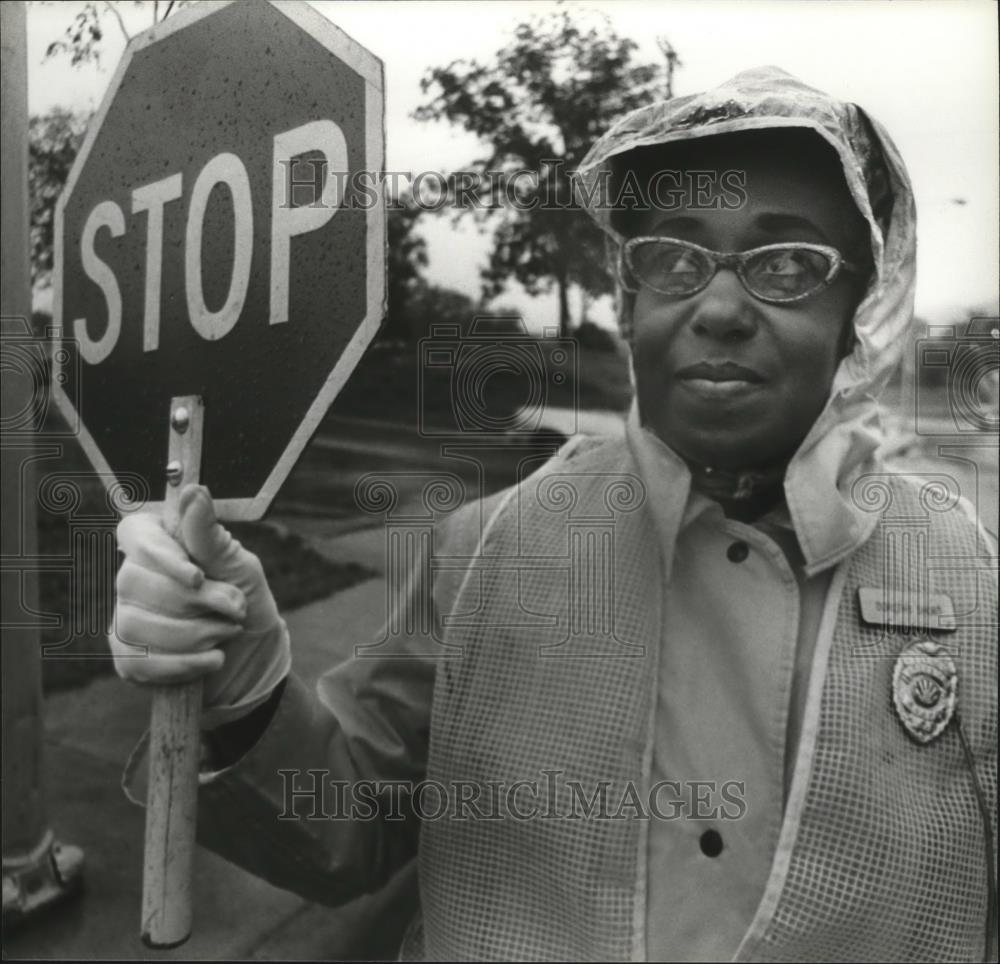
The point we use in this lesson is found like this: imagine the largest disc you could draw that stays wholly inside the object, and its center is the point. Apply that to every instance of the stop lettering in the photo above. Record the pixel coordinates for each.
(228, 170)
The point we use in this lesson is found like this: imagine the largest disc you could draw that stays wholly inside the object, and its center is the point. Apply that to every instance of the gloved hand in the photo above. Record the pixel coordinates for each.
(173, 625)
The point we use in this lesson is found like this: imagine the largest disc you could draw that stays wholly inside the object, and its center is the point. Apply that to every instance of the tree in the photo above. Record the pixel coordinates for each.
(548, 95)
(53, 141)
(82, 39)
(407, 256)
(55, 138)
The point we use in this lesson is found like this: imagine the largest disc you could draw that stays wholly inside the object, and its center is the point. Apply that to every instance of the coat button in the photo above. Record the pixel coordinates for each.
(738, 551)
(711, 843)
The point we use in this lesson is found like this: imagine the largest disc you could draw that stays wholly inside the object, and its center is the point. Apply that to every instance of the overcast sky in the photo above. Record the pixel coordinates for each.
(926, 68)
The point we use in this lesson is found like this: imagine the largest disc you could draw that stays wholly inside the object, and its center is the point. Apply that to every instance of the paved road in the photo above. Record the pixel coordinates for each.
(322, 487)
(346, 450)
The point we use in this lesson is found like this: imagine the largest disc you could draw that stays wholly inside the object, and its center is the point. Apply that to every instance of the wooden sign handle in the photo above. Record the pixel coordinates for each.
(174, 736)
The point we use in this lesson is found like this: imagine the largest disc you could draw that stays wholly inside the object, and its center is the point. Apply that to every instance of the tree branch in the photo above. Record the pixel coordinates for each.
(118, 17)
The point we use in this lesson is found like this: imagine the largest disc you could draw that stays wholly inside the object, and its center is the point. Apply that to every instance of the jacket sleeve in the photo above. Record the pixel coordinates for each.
(320, 804)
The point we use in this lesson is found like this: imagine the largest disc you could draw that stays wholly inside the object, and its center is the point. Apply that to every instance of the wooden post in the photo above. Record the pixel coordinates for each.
(174, 740)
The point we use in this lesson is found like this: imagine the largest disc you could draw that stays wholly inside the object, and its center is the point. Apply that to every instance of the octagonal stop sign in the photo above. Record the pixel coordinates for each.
(221, 235)
(221, 241)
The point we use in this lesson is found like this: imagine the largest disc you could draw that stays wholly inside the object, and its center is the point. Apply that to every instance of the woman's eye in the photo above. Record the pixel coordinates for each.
(679, 262)
(664, 262)
(683, 261)
(783, 262)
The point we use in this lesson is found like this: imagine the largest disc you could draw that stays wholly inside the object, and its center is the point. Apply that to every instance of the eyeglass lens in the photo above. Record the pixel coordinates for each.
(777, 273)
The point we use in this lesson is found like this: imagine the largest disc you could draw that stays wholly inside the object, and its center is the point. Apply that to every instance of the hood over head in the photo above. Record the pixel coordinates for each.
(830, 516)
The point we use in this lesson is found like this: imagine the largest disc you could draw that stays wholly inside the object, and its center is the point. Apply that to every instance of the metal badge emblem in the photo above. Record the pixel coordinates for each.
(925, 689)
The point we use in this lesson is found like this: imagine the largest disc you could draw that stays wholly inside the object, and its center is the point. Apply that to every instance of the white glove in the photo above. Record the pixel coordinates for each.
(173, 625)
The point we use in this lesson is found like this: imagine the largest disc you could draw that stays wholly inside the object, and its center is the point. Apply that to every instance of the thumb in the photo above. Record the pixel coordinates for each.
(200, 533)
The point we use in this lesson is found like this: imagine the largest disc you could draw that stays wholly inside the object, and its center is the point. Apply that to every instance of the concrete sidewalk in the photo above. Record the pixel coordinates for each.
(89, 733)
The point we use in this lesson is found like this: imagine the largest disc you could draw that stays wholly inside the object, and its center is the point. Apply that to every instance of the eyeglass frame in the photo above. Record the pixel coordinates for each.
(736, 260)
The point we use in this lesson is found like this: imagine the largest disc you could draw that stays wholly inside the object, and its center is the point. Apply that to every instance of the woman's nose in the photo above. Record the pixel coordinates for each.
(725, 309)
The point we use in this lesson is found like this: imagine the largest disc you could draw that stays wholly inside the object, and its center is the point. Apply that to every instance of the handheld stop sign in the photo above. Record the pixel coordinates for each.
(220, 269)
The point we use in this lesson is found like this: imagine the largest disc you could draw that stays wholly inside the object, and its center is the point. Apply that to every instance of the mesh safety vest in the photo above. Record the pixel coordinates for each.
(882, 850)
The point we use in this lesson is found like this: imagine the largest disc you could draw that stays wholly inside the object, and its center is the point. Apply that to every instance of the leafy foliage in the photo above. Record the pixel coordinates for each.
(81, 41)
(82, 38)
(547, 96)
(53, 142)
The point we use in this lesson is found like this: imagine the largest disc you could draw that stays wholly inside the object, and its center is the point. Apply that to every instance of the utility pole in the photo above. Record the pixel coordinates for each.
(37, 869)
(673, 62)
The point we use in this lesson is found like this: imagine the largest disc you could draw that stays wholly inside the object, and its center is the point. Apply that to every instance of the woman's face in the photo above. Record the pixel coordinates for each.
(789, 353)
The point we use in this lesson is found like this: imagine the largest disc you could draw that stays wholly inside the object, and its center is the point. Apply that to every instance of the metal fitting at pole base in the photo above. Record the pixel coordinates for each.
(50, 874)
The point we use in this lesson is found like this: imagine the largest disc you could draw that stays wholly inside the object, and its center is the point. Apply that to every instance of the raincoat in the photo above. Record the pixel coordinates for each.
(557, 617)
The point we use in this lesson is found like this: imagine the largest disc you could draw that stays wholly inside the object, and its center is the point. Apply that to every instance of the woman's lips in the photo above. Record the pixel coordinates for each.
(720, 372)
(708, 389)
(719, 380)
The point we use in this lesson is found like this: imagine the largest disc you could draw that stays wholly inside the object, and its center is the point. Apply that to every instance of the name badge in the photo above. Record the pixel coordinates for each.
(934, 611)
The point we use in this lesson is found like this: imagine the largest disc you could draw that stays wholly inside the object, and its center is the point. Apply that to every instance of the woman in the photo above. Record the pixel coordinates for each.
(738, 748)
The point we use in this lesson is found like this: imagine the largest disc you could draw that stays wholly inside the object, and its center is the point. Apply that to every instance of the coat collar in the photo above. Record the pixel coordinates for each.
(821, 522)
